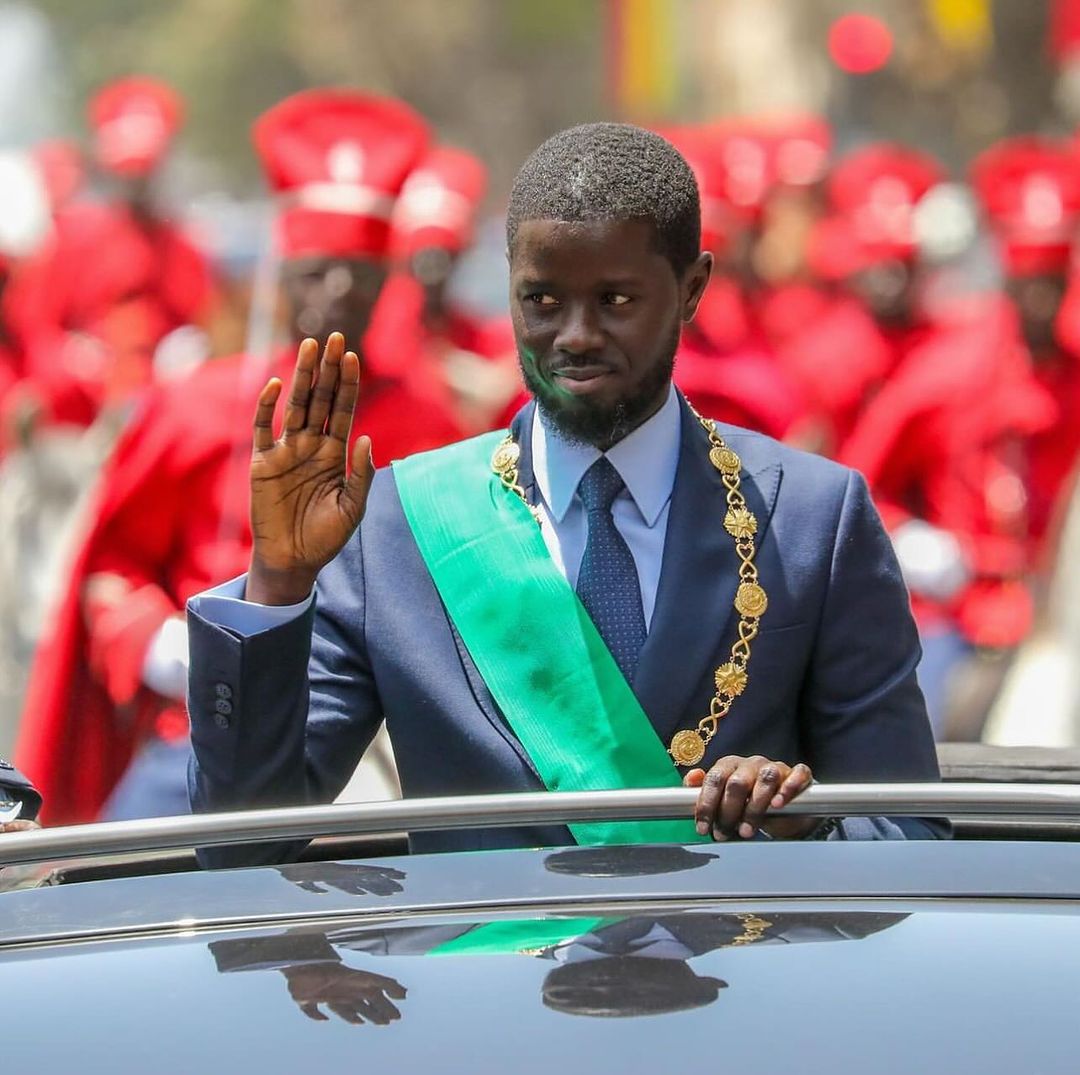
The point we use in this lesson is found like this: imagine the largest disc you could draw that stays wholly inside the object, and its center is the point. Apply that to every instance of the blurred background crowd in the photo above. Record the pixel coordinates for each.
(891, 190)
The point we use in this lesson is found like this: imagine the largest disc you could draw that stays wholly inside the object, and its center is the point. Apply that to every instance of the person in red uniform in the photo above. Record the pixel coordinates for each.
(171, 512)
(868, 318)
(418, 327)
(1030, 192)
(117, 276)
(725, 368)
(943, 446)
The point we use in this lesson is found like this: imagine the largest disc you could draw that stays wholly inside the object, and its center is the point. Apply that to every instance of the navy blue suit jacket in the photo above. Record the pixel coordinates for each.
(832, 675)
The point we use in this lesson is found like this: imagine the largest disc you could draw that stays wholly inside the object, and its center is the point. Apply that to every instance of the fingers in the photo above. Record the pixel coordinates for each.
(19, 825)
(264, 415)
(712, 790)
(795, 783)
(738, 788)
(311, 1010)
(348, 1013)
(325, 385)
(737, 794)
(307, 359)
(355, 493)
(348, 388)
(378, 1009)
(769, 777)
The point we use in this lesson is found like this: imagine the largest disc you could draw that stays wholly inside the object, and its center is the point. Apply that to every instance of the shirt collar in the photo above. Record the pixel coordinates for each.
(646, 461)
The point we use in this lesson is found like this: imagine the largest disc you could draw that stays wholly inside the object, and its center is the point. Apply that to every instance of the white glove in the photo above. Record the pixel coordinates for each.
(931, 560)
(165, 666)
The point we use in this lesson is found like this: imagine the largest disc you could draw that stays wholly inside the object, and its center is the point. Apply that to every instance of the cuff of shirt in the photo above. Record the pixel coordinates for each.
(224, 606)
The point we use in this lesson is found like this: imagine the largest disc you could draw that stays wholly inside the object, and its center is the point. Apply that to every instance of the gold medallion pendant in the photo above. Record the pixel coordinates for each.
(687, 747)
(725, 460)
(750, 600)
(506, 455)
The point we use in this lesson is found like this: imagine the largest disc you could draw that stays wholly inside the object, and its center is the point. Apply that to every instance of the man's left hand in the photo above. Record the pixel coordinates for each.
(736, 793)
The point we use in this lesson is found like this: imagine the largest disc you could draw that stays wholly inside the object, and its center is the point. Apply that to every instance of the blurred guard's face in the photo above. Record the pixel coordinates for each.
(887, 289)
(1038, 299)
(331, 295)
(597, 313)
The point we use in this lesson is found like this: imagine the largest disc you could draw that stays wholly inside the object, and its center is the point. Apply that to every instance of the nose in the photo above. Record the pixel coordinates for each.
(579, 331)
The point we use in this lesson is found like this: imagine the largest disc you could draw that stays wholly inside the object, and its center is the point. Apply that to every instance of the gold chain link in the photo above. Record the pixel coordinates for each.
(731, 678)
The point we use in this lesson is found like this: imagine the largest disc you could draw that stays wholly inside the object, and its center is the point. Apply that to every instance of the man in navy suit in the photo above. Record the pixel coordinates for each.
(618, 592)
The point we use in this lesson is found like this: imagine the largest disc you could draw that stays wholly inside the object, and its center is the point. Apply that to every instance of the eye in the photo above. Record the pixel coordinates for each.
(614, 298)
(541, 298)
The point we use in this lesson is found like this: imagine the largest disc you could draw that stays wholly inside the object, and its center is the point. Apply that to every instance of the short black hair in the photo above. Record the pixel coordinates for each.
(611, 171)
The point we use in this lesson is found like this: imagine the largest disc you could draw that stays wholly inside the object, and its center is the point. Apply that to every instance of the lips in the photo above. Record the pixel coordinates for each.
(581, 373)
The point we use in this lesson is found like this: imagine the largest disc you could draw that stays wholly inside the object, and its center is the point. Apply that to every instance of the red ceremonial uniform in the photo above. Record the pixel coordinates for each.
(90, 307)
(171, 513)
(417, 331)
(723, 365)
(1030, 190)
(829, 343)
(943, 442)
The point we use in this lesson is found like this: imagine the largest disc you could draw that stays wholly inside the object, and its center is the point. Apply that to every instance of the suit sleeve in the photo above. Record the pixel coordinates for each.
(862, 716)
(281, 718)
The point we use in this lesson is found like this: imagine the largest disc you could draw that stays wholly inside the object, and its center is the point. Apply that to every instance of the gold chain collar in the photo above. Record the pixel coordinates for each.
(688, 746)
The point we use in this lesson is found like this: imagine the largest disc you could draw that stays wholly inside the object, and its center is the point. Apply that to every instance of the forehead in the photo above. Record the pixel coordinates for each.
(561, 246)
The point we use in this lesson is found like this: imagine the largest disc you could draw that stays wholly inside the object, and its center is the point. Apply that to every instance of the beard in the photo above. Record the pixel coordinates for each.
(601, 424)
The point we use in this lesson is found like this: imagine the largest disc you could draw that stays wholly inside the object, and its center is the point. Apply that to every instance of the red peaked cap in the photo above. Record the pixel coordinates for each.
(1030, 190)
(438, 203)
(338, 159)
(873, 194)
(699, 147)
(760, 153)
(134, 121)
(739, 162)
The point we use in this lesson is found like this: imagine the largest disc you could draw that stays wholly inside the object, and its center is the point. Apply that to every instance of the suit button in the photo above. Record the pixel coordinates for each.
(223, 706)
(223, 690)
(221, 721)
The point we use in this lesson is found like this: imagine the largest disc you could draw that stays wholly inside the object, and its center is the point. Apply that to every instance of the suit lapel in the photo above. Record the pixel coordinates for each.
(692, 625)
(521, 428)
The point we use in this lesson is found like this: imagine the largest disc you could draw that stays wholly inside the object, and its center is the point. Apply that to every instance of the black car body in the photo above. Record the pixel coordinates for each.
(812, 957)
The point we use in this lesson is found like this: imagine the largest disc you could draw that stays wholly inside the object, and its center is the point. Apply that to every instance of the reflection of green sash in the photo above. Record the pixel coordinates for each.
(518, 936)
(530, 637)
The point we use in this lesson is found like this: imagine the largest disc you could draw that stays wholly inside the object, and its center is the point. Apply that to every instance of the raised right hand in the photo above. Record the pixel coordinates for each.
(305, 503)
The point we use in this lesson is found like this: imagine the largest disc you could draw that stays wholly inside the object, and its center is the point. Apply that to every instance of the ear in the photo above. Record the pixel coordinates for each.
(694, 282)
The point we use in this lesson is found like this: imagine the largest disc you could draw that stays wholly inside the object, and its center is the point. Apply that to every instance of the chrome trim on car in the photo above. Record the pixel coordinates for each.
(1057, 801)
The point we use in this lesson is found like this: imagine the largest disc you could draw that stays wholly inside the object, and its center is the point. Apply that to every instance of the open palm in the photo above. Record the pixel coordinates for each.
(305, 502)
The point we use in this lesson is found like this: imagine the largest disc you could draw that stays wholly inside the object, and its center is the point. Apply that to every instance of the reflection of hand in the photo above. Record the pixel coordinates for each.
(354, 996)
(351, 879)
(736, 792)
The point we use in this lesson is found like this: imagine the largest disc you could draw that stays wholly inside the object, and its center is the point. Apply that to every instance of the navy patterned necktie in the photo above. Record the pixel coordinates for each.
(608, 580)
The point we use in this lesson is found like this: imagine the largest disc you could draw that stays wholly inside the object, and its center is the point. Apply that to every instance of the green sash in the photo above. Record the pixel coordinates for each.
(530, 637)
(517, 936)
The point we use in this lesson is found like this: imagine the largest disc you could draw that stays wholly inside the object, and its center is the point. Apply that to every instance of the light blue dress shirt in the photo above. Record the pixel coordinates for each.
(646, 461)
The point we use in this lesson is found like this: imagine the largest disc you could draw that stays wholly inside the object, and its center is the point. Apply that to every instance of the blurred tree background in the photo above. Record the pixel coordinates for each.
(497, 76)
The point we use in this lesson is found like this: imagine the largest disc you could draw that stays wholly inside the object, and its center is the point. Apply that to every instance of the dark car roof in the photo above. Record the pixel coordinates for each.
(505, 880)
(825, 958)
